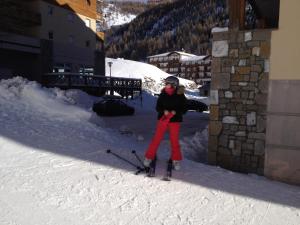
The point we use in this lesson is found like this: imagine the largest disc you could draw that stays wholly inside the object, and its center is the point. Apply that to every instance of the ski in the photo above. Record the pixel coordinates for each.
(168, 174)
(150, 171)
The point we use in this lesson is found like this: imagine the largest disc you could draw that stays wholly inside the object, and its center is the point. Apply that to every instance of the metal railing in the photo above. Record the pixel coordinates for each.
(124, 86)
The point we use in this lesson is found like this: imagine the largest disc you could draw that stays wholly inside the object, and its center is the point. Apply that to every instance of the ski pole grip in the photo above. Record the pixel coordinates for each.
(108, 151)
(133, 151)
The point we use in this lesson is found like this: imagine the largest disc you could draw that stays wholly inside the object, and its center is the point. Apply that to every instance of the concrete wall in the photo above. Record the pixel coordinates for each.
(70, 34)
(285, 46)
(283, 117)
(63, 27)
(19, 56)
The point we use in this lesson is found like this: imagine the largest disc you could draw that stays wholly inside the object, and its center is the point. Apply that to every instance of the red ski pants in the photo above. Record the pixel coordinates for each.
(161, 128)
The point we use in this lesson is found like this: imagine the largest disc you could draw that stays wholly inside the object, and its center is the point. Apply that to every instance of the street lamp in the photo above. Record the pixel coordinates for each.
(110, 64)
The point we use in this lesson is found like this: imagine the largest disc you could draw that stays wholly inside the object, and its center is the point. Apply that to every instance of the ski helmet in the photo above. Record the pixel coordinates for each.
(174, 81)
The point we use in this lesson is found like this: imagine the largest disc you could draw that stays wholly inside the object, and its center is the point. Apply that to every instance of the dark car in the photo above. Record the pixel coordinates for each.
(196, 105)
(112, 107)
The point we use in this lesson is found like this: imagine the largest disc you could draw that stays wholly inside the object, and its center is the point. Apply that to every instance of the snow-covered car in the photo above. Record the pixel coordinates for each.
(112, 107)
(196, 105)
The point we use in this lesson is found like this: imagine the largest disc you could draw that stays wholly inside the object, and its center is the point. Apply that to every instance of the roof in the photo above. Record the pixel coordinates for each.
(185, 57)
(169, 53)
(194, 58)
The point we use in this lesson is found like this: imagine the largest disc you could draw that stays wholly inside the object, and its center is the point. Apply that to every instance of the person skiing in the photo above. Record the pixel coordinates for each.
(171, 105)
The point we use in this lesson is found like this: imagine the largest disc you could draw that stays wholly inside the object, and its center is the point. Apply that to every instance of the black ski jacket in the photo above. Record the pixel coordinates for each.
(176, 102)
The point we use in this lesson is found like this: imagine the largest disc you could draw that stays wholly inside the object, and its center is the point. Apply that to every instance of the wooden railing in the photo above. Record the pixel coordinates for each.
(93, 83)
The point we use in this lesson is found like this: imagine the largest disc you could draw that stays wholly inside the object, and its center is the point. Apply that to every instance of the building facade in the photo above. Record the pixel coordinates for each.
(59, 36)
(159, 1)
(255, 111)
(182, 64)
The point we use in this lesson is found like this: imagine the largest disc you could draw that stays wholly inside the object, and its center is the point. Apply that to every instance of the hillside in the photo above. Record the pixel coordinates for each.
(116, 13)
(183, 24)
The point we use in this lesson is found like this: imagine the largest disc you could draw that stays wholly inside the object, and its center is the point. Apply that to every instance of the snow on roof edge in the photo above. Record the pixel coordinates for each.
(168, 53)
(219, 29)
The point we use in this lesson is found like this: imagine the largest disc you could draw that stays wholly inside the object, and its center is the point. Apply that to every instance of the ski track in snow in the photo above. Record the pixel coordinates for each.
(54, 169)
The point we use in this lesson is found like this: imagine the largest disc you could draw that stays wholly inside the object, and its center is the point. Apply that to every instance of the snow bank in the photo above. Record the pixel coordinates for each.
(195, 148)
(53, 102)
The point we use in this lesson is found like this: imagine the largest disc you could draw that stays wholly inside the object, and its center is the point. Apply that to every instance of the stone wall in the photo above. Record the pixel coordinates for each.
(239, 89)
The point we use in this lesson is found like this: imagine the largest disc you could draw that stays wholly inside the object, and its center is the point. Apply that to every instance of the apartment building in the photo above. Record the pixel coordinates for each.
(159, 1)
(50, 36)
(185, 65)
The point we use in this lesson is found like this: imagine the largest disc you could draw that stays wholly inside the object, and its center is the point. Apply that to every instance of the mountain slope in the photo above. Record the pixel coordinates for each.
(183, 24)
(116, 13)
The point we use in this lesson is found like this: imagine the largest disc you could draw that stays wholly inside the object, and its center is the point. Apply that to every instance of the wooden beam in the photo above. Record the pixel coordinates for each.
(242, 17)
(237, 14)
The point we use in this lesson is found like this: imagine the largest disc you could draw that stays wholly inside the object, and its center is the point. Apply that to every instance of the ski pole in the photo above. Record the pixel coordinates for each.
(125, 160)
(137, 157)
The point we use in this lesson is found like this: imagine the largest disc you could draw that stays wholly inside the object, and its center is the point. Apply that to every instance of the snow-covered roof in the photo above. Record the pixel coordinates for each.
(169, 53)
(184, 57)
(219, 29)
(193, 58)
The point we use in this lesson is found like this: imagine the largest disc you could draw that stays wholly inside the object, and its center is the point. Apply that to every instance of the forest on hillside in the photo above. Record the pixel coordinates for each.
(181, 25)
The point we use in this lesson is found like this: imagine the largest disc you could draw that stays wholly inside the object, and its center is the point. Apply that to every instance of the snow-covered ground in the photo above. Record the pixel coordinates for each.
(54, 169)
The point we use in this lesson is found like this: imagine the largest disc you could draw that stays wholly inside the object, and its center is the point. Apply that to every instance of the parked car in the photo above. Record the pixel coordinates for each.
(196, 105)
(112, 107)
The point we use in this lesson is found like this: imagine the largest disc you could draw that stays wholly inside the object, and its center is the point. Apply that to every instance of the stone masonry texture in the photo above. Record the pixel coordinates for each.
(240, 82)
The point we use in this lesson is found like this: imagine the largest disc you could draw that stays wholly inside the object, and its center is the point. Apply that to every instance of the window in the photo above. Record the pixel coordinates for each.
(86, 70)
(67, 67)
(50, 35)
(62, 68)
(87, 22)
(50, 10)
(99, 26)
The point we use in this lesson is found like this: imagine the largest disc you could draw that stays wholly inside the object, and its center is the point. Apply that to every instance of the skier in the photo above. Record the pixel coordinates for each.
(171, 105)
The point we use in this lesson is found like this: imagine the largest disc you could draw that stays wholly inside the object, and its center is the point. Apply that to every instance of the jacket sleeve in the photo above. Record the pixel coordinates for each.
(159, 105)
(182, 107)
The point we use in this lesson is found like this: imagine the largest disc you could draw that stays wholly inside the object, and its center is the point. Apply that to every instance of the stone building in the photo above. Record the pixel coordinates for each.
(41, 36)
(185, 65)
(255, 112)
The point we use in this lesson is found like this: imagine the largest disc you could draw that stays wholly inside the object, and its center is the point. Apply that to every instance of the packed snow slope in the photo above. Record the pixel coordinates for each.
(54, 169)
